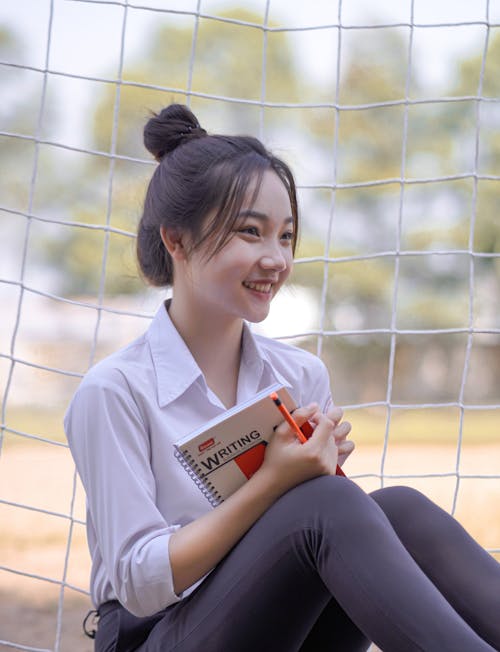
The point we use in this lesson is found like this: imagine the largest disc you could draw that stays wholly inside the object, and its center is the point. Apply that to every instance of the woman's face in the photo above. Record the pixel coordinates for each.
(241, 279)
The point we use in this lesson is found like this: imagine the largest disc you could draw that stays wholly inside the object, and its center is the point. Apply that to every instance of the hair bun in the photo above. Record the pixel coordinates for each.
(168, 129)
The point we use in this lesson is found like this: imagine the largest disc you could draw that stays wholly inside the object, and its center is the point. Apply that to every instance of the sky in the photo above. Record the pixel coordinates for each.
(86, 37)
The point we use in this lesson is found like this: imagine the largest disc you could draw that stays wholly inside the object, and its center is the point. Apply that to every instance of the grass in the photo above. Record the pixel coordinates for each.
(39, 422)
(36, 474)
(431, 425)
(425, 426)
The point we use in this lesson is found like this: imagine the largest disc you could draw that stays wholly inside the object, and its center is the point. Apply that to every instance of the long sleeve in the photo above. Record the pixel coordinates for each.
(111, 448)
(320, 387)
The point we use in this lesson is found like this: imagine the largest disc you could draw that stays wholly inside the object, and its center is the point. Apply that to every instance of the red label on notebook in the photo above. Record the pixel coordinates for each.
(206, 444)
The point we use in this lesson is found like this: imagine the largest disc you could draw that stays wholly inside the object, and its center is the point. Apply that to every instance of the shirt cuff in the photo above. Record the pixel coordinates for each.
(151, 586)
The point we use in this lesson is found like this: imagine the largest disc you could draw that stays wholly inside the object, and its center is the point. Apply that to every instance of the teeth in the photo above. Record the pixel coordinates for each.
(259, 287)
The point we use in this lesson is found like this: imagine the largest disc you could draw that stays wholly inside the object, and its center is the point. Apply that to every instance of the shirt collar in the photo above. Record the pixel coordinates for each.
(255, 357)
(176, 369)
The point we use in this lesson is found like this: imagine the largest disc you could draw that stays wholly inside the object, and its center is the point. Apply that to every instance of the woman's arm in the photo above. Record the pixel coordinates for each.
(198, 546)
(128, 535)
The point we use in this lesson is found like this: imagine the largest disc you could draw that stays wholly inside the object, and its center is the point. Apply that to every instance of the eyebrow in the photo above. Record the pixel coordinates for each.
(259, 216)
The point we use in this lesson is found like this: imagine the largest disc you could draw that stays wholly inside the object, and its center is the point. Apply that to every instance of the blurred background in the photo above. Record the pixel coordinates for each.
(389, 115)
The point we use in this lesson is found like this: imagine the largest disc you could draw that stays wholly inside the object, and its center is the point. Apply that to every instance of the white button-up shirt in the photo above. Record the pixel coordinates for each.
(121, 424)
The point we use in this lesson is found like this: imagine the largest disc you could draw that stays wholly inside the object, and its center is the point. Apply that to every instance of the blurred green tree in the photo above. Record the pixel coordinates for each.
(433, 290)
(227, 63)
(435, 216)
(19, 119)
(487, 219)
(370, 143)
(18, 116)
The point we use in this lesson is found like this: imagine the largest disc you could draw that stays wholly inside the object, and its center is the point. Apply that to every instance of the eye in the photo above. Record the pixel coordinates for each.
(288, 236)
(249, 230)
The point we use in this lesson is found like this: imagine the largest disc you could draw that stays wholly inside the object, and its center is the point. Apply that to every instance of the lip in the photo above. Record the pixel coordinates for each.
(259, 283)
(260, 293)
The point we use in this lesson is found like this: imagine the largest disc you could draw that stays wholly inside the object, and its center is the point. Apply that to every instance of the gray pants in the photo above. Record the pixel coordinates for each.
(331, 568)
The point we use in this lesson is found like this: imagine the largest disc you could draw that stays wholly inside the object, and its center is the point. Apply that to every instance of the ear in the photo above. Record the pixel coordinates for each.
(172, 239)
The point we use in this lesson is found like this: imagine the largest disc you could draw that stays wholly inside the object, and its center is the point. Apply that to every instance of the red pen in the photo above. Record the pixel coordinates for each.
(293, 425)
(288, 418)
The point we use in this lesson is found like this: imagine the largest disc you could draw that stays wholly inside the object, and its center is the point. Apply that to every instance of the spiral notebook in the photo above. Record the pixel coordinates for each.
(222, 455)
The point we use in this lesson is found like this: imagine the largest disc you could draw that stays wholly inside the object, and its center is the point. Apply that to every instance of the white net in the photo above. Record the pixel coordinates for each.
(390, 121)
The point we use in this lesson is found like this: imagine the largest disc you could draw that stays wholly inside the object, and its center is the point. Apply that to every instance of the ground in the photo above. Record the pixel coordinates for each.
(42, 476)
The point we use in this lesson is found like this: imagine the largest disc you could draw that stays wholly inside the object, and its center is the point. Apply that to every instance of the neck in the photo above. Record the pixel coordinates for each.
(215, 344)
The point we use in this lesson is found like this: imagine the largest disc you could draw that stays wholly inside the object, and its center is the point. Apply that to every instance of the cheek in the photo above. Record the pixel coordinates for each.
(284, 275)
(289, 266)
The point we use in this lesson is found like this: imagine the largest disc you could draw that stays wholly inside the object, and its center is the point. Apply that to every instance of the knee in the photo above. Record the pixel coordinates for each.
(399, 500)
(398, 497)
(406, 508)
(334, 499)
(327, 490)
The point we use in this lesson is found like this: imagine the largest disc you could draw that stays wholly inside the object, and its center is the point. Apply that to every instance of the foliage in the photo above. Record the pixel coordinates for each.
(165, 64)
(487, 231)
(227, 62)
(367, 214)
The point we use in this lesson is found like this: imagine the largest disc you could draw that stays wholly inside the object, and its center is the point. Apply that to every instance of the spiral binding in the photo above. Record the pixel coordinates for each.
(196, 473)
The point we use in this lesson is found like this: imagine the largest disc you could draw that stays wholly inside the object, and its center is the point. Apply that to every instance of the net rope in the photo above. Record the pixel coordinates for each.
(99, 307)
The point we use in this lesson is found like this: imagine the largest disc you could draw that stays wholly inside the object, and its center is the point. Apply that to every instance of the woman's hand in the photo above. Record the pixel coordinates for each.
(342, 430)
(196, 547)
(288, 463)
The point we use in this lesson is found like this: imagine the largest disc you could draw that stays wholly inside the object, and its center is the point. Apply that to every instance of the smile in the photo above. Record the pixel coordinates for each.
(265, 288)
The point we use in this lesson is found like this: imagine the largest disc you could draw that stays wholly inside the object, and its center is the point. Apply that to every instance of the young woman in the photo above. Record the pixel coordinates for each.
(298, 558)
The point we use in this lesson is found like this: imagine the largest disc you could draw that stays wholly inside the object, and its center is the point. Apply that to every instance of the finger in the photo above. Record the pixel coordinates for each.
(323, 427)
(305, 413)
(335, 414)
(341, 431)
(346, 447)
(300, 416)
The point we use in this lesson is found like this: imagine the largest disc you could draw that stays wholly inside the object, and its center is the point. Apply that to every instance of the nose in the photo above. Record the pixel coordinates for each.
(274, 258)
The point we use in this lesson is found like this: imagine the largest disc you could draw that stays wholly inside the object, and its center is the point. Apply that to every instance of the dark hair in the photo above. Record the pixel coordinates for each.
(198, 174)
